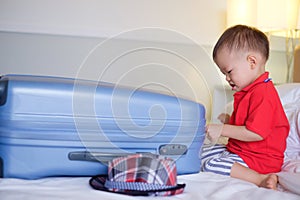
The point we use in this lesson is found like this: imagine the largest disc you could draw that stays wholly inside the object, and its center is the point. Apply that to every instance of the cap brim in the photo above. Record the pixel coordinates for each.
(98, 183)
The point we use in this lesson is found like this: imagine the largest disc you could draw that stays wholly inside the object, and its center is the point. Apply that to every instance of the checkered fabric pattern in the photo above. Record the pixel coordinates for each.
(142, 174)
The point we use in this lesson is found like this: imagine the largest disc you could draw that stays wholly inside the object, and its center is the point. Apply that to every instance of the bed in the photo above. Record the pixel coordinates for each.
(198, 186)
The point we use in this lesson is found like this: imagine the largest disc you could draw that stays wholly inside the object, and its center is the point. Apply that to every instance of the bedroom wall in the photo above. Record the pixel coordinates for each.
(69, 38)
(103, 18)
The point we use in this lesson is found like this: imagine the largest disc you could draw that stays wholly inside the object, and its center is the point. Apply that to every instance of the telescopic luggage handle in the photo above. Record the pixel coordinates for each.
(104, 157)
(94, 156)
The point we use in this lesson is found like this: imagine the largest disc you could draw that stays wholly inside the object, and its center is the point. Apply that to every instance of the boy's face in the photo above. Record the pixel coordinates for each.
(238, 67)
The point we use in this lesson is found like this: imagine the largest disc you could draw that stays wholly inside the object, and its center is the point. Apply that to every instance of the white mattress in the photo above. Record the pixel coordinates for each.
(198, 186)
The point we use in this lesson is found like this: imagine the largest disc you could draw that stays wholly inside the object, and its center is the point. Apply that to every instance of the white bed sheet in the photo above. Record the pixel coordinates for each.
(199, 186)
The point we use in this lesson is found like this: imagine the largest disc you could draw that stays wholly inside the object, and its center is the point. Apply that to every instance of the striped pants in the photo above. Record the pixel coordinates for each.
(218, 160)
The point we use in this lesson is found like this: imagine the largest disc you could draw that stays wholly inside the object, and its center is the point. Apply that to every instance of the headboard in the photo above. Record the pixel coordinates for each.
(296, 76)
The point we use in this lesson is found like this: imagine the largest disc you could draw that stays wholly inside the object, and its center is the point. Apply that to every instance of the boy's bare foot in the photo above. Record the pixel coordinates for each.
(270, 181)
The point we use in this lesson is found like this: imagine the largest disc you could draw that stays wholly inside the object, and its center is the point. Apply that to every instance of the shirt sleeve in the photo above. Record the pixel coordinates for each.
(261, 113)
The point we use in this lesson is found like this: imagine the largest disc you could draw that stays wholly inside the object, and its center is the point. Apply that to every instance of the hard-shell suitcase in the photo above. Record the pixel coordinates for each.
(52, 126)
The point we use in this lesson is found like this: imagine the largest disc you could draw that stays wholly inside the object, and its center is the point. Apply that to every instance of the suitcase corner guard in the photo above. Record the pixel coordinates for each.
(3, 90)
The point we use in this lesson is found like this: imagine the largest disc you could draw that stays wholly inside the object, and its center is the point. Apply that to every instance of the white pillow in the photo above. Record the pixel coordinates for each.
(289, 93)
(293, 141)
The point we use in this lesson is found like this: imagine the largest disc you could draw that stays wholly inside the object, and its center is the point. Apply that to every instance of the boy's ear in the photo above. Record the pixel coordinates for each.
(252, 61)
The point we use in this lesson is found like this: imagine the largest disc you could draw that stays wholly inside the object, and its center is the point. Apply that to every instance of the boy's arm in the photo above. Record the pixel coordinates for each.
(240, 133)
(232, 131)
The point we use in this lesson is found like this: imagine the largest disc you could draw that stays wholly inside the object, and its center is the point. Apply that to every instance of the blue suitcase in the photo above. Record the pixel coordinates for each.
(52, 126)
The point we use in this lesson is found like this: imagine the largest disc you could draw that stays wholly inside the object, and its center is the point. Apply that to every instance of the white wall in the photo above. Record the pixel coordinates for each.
(202, 20)
(111, 41)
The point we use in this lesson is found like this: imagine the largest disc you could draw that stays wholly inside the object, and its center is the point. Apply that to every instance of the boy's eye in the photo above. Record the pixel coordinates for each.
(229, 71)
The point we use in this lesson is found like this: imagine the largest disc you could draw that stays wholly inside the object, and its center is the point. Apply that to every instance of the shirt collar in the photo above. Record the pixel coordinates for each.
(261, 79)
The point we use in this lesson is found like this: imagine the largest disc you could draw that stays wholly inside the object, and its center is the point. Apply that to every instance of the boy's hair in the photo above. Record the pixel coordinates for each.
(242, 37)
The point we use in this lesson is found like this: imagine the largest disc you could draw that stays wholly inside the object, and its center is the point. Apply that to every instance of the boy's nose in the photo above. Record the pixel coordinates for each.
(227, 78)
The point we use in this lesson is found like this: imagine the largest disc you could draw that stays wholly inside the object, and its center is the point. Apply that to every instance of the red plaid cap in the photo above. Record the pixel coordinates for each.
(140, 174)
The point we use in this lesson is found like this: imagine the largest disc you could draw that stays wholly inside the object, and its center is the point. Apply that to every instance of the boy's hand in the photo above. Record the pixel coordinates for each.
(213, 132)
(224, 118)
